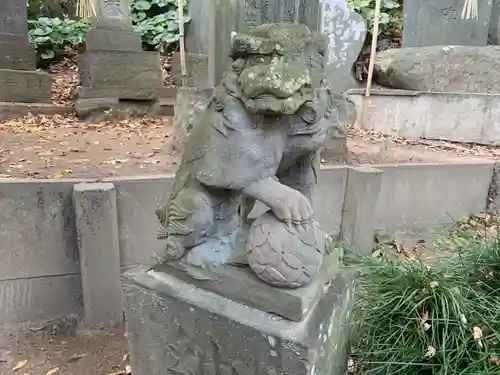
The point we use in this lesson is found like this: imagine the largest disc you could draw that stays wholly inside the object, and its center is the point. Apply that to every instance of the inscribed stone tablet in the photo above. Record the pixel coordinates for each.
(346, 32)
(434, 23)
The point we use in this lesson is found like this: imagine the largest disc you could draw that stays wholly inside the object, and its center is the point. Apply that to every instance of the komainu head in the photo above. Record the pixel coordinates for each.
(276, 68)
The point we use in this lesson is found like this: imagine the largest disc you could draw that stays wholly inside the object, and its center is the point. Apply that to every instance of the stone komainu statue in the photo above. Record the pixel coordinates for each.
(258, 139)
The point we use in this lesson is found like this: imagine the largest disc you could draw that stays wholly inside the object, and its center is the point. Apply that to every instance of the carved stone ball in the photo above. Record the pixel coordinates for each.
(285, 256)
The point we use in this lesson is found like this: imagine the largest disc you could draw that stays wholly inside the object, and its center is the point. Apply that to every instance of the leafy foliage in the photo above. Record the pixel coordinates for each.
(157, 21)
(390, 13)
(55, 37)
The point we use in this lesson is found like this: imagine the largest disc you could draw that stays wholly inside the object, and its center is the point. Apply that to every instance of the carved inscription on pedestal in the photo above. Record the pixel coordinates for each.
(252, 13)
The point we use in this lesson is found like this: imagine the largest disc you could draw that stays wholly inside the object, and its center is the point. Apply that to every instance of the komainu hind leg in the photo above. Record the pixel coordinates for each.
(186, 221)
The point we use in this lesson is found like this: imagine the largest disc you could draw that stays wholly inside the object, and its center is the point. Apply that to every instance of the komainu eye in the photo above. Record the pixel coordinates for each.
(259, 60)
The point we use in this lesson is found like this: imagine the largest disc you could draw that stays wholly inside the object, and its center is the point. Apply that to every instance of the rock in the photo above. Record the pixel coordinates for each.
(440, 69)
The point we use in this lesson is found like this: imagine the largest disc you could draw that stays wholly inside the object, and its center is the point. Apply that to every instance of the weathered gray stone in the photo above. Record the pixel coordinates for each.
(433, 23)
(114, 68)
(346, 31)
(459, 69)
(175, 327)
(494, 30)
(14, 110)
(25, 86)
(189, 104)
(227, 16)
(241, 284)
(196, 69)
(13, 21)
(358, 214)
(112, 40)
(197, 30)
(97, 231)
(17, 56)
(19, 82)
(120, 69)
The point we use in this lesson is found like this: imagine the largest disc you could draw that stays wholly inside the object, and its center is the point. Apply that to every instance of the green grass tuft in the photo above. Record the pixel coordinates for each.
(413, 318)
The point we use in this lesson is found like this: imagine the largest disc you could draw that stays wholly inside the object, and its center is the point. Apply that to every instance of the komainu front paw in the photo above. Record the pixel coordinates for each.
(172, 251)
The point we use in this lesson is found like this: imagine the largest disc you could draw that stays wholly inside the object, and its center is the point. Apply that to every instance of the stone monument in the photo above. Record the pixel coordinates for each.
(19, 80)
(114, 67)
(231, 293)
(435, 23)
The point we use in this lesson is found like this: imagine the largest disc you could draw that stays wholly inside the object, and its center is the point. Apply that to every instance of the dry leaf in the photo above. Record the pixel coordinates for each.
(20, 365)
(125, 357)
(128, 370)
(494, 360)
(478, 333)
(53, 371)
(431, 352)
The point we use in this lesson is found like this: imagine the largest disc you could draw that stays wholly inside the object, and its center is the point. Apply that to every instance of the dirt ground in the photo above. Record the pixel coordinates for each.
(81, 352)
(62, 147)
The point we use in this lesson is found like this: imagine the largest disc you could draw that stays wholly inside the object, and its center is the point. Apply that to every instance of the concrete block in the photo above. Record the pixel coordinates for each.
(174, 327)
(137, 200)
(120, 69)
(465, 117)
(103, 39)
(17, 57)
(14, 110)
(24, 86)
(40, 298)
(37, 227)
(417, 196)
(494, 190)
(97, 228)
(328, 198)
(197, 70)
(358, 214)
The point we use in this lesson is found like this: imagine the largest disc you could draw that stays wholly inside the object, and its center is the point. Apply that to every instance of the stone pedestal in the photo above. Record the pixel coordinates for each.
(114, 68)
(19, 80)
(176, 327)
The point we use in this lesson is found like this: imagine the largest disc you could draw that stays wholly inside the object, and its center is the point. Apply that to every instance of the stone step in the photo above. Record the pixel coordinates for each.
(25, 86)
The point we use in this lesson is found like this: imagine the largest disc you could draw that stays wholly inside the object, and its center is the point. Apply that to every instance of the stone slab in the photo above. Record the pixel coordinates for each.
(121, 69)
(100, 38)
(431, 23)
(240, 284)
(174, 327)
(124, 93)
(15, 110)
(358, 214)
(24, 86)
(196, 69)
(13, 21)
(346, 32)
(97, 233)
(17, 56)
(40, 298)
(227, 16)
(494, 29)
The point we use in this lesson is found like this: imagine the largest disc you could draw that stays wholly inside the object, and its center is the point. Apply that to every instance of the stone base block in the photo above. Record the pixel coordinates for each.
(14, 110)
(196, 68)
(175, 327)
(100, 108)
(25, 86)
(113, 40)
(134, 70)
(15, 56)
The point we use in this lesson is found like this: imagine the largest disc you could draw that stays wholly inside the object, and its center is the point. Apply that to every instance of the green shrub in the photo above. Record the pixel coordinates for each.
(157, 21)
(415, 319)
(55, 37)
(390, 14)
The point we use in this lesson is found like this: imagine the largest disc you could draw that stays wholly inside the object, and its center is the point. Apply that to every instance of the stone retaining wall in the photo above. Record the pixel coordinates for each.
(42, 237)
(431, 115)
